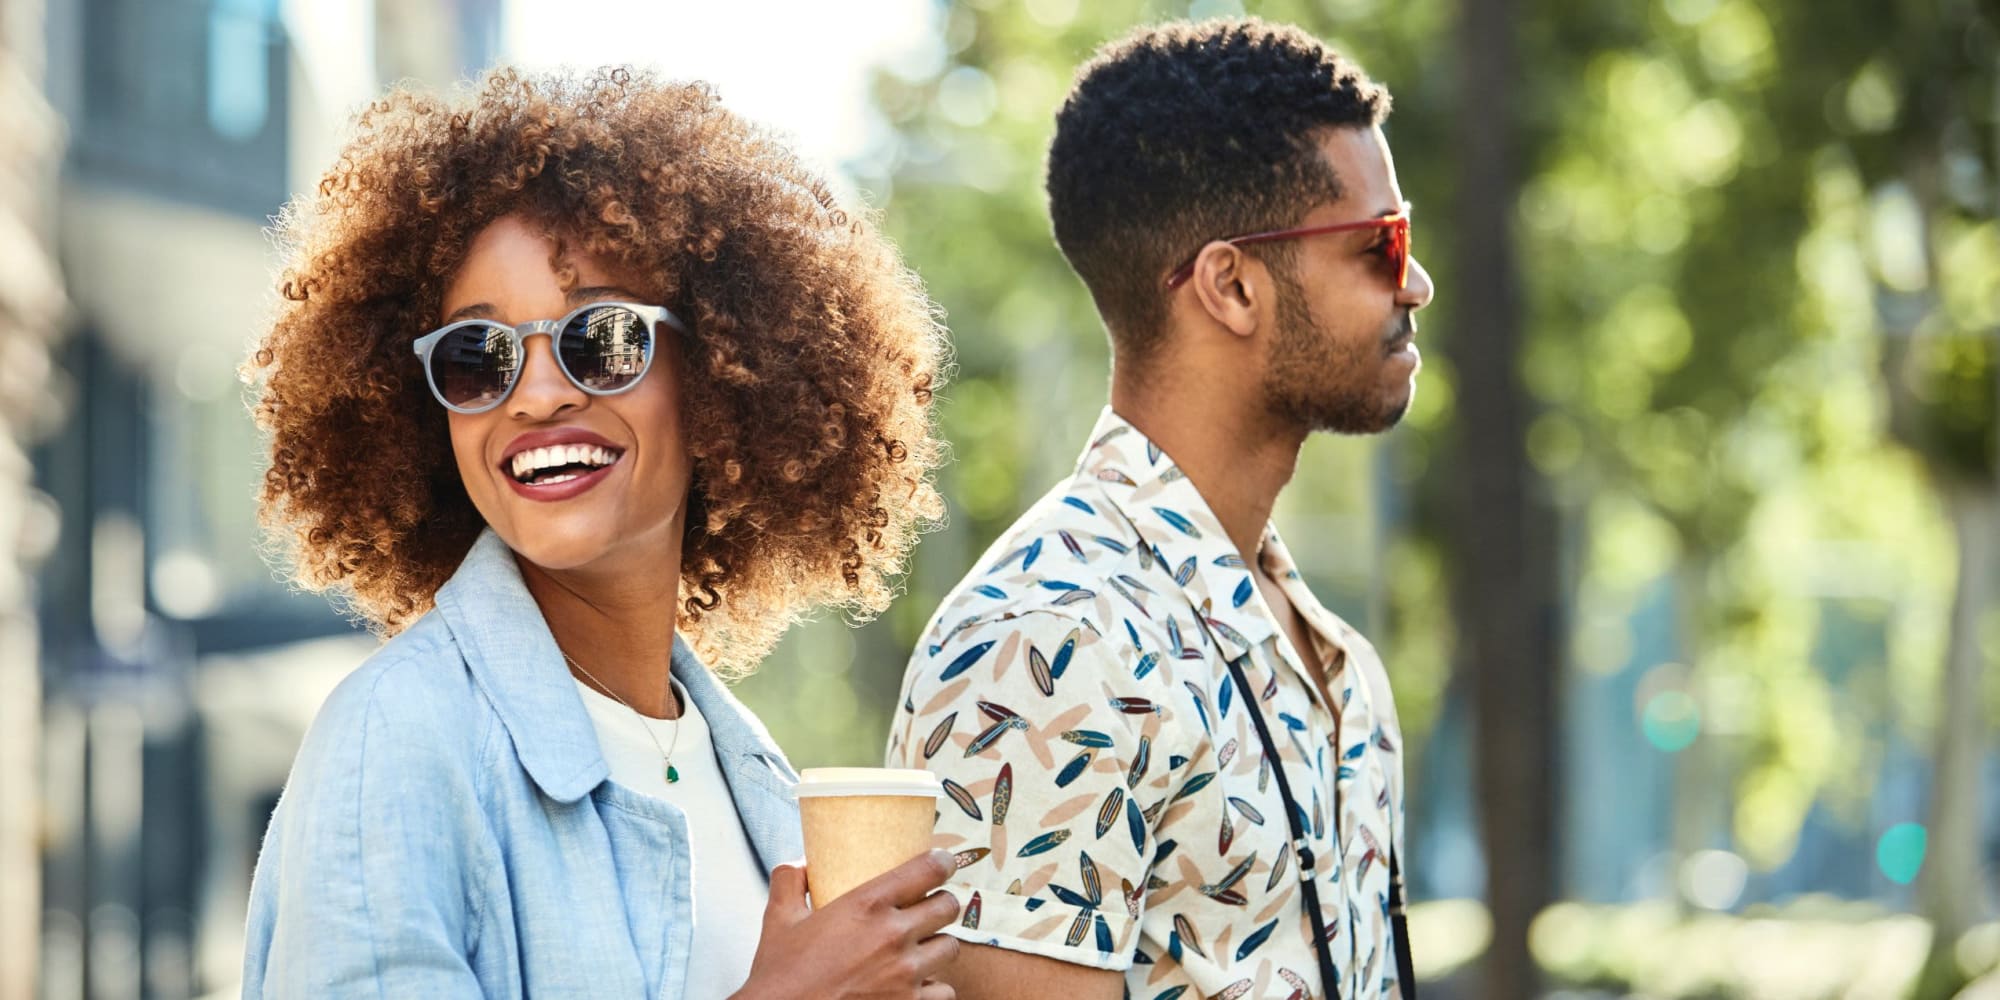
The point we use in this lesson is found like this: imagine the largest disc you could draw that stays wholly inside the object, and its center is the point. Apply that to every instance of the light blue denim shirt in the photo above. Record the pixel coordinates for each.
(450, 829)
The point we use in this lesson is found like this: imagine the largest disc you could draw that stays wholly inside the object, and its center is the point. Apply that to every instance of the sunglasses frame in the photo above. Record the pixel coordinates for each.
(1398, 220)
(553, 328)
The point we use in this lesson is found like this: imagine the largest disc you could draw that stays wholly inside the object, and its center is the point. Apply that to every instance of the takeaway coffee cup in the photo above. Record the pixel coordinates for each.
(862, 821)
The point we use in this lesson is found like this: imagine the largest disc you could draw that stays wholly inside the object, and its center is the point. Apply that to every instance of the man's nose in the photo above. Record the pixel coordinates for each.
(1416, 292)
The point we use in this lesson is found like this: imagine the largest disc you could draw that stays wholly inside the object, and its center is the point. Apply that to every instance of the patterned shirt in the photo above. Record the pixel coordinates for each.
(1109, 800)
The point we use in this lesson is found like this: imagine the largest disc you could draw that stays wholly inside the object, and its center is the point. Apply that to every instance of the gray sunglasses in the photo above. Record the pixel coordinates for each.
(603, 348)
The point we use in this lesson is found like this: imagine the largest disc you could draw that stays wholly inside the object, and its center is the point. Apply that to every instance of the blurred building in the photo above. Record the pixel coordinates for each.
(165, 734)
(30, 298)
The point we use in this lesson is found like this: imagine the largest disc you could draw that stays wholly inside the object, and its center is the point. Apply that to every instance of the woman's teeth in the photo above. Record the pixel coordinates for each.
(560, 463)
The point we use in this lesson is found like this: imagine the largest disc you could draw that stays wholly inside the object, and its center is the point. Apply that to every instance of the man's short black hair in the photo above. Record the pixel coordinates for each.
(1188, 132)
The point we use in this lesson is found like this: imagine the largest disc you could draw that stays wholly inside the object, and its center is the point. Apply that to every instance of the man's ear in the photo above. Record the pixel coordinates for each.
(1225, 284)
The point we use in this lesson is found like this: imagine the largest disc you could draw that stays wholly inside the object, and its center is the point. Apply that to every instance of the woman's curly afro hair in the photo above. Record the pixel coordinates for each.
(809, 367)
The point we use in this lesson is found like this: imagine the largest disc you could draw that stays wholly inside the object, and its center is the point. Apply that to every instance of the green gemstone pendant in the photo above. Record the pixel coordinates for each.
(673, 776)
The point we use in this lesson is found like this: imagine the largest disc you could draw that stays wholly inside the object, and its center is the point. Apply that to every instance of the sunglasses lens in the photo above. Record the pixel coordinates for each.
(607, 348)
(474, 365)
(1399, 253)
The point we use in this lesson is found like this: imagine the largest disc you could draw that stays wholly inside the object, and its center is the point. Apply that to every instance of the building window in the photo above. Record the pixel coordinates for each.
(186, 99)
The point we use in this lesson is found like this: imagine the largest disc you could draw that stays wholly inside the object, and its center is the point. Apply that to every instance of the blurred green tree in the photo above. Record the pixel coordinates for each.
(1918, 106)
(1723, 186)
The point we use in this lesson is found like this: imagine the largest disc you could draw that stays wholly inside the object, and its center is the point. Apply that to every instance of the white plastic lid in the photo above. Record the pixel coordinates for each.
(815, 782)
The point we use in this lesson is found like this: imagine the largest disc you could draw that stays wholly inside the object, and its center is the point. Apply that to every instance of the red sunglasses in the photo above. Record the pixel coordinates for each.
(1397, 251)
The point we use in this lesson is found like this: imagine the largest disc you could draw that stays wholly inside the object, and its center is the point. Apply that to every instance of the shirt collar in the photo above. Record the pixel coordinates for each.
(507, 647)
(1178, 530)
(1365, 679)
(733, 728)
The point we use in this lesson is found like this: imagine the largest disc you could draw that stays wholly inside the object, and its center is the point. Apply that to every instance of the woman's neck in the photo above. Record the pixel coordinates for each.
(617, 625)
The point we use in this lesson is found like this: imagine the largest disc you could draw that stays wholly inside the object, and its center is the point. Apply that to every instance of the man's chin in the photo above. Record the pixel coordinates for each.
(1358, 420)
(1379, 425)
(1395, 415)
(1350, 415)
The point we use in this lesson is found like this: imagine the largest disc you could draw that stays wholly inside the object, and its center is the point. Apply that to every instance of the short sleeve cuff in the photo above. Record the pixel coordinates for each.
(1036, 925)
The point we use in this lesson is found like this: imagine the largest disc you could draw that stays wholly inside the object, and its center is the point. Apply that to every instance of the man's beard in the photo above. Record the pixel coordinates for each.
(1313, 382)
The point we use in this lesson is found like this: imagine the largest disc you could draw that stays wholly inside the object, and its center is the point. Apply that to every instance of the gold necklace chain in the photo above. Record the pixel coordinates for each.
(667, 752)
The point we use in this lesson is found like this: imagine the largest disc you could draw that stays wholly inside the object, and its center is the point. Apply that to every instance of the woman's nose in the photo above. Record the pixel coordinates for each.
(542, 390)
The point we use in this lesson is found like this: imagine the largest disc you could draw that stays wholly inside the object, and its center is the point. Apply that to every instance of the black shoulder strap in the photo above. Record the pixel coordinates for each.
(1308, 878)
(1399, 925)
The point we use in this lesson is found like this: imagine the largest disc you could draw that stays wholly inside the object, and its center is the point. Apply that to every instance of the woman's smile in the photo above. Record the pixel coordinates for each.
(559, 464)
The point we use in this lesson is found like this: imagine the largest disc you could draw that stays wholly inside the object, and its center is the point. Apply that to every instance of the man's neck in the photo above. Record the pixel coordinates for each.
(1238, 459)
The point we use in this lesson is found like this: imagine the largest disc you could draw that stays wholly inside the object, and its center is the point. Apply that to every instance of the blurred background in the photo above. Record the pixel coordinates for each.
(1684, 564)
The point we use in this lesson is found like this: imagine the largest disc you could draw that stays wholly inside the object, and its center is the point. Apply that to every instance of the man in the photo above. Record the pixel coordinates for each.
(1099, 693)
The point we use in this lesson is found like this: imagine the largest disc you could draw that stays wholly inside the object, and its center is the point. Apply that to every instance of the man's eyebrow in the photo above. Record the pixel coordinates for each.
(574, 298)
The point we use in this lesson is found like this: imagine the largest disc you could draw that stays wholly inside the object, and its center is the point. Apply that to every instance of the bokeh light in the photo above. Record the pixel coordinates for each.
(1714, 880)
(1900, 852)
(1671, 721)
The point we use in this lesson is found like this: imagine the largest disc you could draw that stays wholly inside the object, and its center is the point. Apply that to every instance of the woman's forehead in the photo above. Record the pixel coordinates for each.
(512, 263)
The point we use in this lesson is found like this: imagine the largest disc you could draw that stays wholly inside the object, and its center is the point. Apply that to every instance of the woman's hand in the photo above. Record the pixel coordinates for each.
(876, 942)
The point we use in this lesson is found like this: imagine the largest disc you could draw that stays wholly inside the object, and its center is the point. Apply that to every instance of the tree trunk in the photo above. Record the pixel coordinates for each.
(1952, 891)
(1505, 592)
(1702, 780)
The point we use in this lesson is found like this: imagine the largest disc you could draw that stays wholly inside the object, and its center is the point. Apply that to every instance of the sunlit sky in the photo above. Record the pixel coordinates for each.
(798, 66)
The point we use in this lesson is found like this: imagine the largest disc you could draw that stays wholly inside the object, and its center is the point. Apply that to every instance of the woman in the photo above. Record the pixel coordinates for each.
(578, 382)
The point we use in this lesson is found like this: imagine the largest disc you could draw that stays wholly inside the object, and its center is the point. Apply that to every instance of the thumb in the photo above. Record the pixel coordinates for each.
(787, 905)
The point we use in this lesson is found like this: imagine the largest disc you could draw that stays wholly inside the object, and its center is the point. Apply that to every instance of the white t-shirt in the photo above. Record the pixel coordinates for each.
(729, 885)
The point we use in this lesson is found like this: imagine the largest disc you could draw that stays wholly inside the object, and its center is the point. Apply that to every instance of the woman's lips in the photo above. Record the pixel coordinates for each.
(552, 492)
